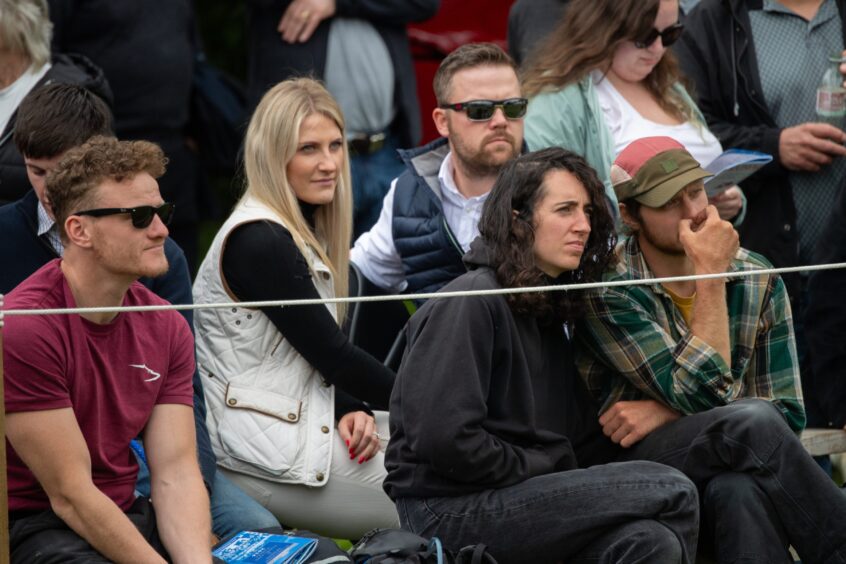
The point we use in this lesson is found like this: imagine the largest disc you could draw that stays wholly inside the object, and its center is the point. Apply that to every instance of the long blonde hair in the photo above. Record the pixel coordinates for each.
(586, 38)
(270, 144)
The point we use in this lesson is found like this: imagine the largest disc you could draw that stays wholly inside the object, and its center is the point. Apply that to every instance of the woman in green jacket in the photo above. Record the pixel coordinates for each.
(604, 78)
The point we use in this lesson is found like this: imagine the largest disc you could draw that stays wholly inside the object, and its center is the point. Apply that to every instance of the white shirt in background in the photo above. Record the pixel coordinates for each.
(375, 254)
(12, 95)
(627, 125)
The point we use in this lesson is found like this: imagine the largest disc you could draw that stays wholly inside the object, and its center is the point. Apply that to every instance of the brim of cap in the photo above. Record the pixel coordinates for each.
(665, 191)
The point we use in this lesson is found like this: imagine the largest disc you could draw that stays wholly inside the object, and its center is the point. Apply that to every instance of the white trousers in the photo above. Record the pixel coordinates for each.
(351, 503)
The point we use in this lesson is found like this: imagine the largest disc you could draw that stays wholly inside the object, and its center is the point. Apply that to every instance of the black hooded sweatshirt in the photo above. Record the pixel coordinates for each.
(484, 398)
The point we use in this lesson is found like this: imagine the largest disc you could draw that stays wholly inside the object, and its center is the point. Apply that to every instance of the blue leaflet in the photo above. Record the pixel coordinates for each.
(248, 547)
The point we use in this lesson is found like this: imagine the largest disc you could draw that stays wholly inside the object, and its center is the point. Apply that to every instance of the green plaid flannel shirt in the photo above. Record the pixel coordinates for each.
(634, 343)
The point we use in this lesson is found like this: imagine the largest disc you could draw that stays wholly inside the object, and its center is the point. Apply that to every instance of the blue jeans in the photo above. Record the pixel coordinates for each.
(623, 512)
(769, 492)
(371, 179)
(231, 509)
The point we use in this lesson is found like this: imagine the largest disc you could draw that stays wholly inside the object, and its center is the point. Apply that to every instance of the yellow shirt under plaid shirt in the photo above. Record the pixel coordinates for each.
(634, 343)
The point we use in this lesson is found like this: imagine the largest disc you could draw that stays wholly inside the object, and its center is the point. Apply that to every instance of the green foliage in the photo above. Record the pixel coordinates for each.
(223, 29)
(222, 26)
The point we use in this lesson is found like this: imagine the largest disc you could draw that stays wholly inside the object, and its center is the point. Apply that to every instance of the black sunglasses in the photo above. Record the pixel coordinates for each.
(483, 110)
(142, 216)
(669, 36)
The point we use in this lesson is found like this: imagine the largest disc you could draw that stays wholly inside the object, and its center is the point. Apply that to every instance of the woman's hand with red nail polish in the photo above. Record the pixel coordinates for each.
(358, 429)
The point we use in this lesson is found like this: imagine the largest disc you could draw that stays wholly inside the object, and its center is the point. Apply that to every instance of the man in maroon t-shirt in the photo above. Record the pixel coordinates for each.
(102, 378)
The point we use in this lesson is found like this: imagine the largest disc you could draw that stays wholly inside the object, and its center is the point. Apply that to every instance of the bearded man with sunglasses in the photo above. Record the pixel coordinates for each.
(103, 378)
(431, 213)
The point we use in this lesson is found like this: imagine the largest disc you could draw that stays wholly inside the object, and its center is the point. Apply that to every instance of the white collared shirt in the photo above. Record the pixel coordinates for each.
(47, 225)
(375, 254)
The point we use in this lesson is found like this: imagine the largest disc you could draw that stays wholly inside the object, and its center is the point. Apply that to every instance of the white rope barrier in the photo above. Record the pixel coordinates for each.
(424, 296)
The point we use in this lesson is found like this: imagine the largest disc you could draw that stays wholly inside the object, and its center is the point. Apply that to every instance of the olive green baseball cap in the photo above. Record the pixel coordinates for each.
(654, 169)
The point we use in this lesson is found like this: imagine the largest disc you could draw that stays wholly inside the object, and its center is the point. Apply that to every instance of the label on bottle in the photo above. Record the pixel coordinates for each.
(831, 102)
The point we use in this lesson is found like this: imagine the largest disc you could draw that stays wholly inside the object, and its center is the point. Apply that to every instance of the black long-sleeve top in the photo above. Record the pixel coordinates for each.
(250, 251)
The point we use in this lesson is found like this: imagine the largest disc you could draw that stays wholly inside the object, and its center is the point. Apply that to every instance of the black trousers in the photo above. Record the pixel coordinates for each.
(43, 538)
(760, 490)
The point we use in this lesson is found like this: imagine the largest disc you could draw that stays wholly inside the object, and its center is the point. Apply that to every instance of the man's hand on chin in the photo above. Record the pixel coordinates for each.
(709, 241)
(628, 422)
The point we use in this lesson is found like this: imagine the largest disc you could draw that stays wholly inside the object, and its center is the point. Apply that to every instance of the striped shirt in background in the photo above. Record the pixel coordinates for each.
(792, 55)
(48, 230)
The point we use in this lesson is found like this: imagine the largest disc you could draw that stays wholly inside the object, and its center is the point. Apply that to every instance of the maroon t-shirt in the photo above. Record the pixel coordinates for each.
(111, 375)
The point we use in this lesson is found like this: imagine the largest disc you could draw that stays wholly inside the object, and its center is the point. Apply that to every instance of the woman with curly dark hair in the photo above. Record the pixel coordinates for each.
(507, 225)
(490, 424)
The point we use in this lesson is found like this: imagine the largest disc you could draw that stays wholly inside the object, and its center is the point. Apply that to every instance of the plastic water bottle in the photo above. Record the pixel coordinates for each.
(831, 95)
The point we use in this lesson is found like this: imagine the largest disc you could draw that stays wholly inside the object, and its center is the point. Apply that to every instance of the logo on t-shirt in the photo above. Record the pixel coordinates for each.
(155, 375)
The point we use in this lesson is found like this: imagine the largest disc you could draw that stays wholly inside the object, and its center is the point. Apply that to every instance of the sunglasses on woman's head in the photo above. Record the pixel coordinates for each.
(483, 110)
(669, 36)
(141, 216)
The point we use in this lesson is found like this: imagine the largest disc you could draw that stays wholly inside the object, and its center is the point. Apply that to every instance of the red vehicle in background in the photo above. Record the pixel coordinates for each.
(458, 22)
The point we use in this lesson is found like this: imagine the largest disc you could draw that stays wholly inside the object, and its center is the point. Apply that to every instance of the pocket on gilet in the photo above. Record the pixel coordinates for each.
(260, 428)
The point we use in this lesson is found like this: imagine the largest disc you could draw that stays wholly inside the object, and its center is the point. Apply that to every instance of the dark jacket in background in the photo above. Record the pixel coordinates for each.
(824, 381)
(485, 398)
(529, 22)
(717, 53)
(146, 50)
(22, 252)
(66, 69)
(271, 60)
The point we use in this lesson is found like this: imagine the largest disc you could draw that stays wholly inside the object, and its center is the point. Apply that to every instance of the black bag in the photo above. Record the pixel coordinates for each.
(218, 116)
(396, 546)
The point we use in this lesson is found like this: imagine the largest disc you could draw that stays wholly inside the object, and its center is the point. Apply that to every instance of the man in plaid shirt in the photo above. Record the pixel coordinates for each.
(702, 375)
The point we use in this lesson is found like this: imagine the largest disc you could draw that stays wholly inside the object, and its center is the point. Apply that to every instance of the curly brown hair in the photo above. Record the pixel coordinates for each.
(71, 186)
(507, 226)
(587, 37)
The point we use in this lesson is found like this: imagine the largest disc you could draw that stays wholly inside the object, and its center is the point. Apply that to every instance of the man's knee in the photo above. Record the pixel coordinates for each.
(739, 518)
(731, 489)
(756, 415)
(648, 541)
(667, 476)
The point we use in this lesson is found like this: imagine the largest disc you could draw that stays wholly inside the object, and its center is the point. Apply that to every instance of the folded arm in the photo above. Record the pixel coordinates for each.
(301, 17)
(621, 338)
(391, 12)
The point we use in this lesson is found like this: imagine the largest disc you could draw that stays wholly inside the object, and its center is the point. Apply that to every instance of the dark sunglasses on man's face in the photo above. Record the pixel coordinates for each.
(669, 36)
(483, 110)
(142, 216)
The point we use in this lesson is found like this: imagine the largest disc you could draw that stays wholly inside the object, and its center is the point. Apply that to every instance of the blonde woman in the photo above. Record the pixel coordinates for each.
(605, 77)
(285, 388)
